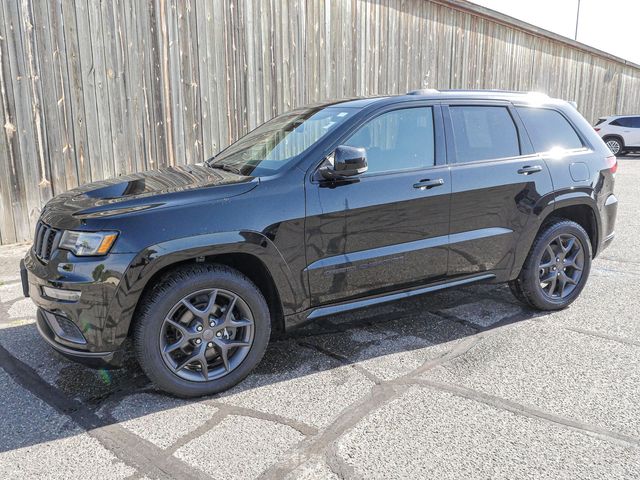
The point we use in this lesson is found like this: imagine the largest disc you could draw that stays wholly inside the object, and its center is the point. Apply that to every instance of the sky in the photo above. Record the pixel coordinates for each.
(608, 25)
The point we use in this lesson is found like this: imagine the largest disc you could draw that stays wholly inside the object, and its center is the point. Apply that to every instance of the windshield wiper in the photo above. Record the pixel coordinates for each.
(226, 167)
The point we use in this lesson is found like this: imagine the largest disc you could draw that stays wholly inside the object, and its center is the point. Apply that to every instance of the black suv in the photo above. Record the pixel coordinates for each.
(322, 210)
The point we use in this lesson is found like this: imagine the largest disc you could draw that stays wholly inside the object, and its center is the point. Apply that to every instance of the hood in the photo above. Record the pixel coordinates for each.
(140, 191)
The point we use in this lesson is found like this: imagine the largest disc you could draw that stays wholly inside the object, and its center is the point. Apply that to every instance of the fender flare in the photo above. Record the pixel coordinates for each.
(559, 199)
(584, 197)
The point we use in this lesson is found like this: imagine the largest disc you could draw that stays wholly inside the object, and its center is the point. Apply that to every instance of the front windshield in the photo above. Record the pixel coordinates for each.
(274, 144)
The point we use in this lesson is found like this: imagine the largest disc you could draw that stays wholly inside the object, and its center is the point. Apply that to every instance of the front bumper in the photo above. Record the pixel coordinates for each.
(82, 329)
(91, 359)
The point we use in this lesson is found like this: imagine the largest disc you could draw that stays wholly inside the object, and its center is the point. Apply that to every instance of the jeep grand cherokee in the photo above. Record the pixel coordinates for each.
(322, 210)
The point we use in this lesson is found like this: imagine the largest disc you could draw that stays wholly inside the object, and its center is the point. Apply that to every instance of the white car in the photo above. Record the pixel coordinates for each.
(621, 133)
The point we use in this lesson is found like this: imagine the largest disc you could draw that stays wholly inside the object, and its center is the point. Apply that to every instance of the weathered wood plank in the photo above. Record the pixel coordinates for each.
(114, 80)
(133, 62)
(96, 77)
(69, 172)
(93, 88)
(80, 146)
(176, 106)
(18, 124)
(190, 82)
(8, 188)
(54, 137)
(142, 40)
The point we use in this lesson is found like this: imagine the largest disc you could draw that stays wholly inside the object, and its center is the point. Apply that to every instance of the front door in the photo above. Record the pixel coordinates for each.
(387, 229)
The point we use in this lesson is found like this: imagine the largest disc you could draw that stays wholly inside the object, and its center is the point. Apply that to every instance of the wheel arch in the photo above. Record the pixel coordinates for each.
(251, 253)
(585, 216)
(575, 205)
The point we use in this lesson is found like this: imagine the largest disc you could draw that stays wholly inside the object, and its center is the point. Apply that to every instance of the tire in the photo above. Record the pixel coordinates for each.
(201, 296)
(536, 285)
(615, 144)
(516, 291)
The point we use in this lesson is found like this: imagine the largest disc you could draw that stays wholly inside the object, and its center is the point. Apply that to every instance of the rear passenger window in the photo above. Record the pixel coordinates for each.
(483, 132)
(548, 129)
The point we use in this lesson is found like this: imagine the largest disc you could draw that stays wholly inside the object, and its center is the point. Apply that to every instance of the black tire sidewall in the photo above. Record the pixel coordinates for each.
(516, 291)
(529, 277)
(171, 291)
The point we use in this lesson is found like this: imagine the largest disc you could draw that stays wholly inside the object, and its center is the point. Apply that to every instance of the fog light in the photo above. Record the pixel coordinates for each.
(64, 295)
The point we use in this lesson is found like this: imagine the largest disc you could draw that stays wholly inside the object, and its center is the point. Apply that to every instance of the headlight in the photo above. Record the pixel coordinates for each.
(85, 244)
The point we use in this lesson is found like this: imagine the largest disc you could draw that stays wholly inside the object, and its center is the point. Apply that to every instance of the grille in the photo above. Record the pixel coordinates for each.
(45, 241)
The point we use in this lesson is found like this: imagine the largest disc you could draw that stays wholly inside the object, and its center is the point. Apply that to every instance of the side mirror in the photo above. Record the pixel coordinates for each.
(347, 162)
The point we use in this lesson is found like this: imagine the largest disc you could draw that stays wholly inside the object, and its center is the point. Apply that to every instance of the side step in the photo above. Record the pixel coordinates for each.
(391, 297)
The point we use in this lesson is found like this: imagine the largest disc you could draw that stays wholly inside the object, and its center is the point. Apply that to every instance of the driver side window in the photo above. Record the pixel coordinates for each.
(397, 140)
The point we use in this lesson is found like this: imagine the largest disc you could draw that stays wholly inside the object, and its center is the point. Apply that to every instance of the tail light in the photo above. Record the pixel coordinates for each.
(612, 163)
(597, 129)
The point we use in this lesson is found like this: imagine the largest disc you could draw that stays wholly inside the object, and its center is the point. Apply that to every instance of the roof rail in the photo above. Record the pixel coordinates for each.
(423, 91)
(496, 90)
(433, 91)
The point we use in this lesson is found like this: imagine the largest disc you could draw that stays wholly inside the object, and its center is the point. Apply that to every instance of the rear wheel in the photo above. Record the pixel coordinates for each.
(202, 329)
(556, 268)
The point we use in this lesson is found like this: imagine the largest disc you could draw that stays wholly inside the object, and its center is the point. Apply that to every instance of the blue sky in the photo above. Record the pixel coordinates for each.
(609, 25)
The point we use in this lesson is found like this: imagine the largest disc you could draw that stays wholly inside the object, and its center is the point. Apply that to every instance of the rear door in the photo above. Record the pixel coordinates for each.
(496, 181)
(388, 228)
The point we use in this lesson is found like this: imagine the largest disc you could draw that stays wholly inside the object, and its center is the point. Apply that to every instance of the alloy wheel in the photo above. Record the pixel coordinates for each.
(206, 335)
(614, 146)
(561, 266)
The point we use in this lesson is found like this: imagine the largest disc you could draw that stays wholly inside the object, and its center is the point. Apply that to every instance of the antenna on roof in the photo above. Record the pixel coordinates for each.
(423, 91)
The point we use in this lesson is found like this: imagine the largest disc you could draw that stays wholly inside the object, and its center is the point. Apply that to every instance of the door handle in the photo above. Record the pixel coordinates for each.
(529, 169)
(428, 183)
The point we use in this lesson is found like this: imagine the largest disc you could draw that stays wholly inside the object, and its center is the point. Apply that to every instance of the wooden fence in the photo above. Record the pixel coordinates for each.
(91, 89)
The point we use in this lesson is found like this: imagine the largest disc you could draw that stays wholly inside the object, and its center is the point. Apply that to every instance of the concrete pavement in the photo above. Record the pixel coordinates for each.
(463, 383)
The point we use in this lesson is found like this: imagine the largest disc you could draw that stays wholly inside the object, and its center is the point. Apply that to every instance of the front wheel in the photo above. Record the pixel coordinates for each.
(557, 267)
(201, 330)
(615, 145)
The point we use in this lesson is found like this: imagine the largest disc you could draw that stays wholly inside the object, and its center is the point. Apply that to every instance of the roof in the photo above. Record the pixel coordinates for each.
(433, 94)
(620, 115)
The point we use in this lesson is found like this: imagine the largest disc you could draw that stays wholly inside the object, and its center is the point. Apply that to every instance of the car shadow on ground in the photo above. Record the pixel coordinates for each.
(383, 342)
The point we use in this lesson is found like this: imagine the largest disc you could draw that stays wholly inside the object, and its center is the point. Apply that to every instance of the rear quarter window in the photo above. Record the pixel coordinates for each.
(549, 130)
